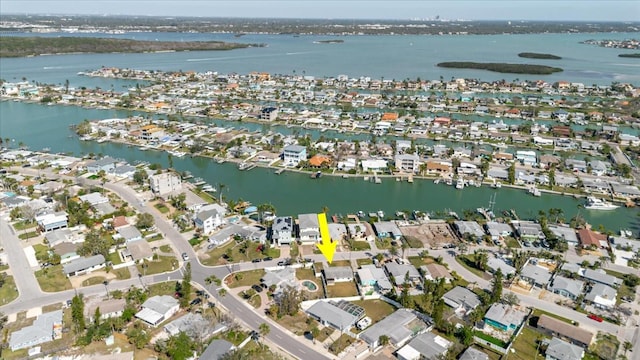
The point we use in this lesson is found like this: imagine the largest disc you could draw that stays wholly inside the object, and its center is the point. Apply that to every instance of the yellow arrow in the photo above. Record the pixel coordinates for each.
(327, 246)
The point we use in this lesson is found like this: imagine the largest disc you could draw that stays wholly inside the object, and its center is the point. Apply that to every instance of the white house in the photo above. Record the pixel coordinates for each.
(282, 230)
(294, 154)
(45, 328)
(164, 183)
(209, 218)
(157, 309)
(309, 228)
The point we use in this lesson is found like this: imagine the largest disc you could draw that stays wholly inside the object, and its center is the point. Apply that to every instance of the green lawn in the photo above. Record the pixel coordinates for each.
(94, 280)
(325, 333)
(163, 264)
(365, 261)
(255, 301)
(418, 261)
(52, 279)
(166, 248)
(465, 260)
(512, 243)
(383, 243)
(413, 242)
(232, 249)
(376, 309)
(342, 289)
(342, 343)
(21, 225)
(8, 291)
(305, 274)
(245, 278)
(28, 235)
(122, 273)
(298, 324)
(341, 263)
(526, 345)
(114, 258)
(42, 251)
(162, 208)
(359, 245)
(155, 237)
(538, 312)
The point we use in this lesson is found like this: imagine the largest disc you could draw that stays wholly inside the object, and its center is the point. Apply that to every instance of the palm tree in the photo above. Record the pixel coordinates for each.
(264, 329)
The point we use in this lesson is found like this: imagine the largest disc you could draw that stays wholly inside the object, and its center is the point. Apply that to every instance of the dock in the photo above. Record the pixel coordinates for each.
(279, 171)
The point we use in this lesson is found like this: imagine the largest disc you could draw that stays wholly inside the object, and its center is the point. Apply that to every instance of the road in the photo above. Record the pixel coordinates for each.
(28, 287)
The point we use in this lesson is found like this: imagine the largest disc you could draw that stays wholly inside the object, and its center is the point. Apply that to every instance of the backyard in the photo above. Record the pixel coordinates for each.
(342, 289)
(526, 344)
(376, 309)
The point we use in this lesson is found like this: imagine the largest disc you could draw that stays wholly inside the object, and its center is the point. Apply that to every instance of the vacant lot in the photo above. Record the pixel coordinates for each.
(432, 235)
(376, 309)
(162, 264)
(298, 324)
(245, 278)
(52, 279)
(526, 345)
(342, 289)
(8, 291)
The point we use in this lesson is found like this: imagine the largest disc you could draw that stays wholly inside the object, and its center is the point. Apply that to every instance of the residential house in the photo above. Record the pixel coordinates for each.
(193, 325)
(436, 271)
(337, 315)
(473, 354)
(269, 113)
(158, 309)
(165, 183)
(334, 274)
(138, 250)
(294, 154)
(387, 229)
(52, 221)
(361, 231)
(280, 278)
(407, 162)
(400, 326)
(108, 309)
(601, 277)
(282, 230)
(424, 346)
(57, 237)
(562, 350)
(308, 228)
(84, 265)
(528, 230)
(124, 171)
(498, 231)
(569, 288)
(370, 275)
(564, 233)
(47, 327)
(602, 296)
(209, 219)
(106, 164)
(461, 299)
(129, 233)
(575, 334)
(401, 273)
(217, 349)
(469, 228)
(504, 317)
(337, 231)
(373, 164)
(589, 238)
(94, 198)
(497, 263)
(319, 160)
(535, 275)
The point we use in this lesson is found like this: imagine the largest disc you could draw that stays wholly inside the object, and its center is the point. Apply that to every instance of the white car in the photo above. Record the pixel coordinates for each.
(185, 257)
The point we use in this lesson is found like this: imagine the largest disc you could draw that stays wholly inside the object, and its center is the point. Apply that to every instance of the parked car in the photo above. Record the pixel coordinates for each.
(196, 301)
(595, 317)
(268, 258)
(257, 288)
(256, 260)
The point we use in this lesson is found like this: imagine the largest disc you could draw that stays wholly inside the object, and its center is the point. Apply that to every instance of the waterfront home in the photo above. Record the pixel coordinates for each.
(294, 154)
(574, 334)
(47, 327)
(461, 299)
(209, 218)
(308, 228)
(438, 167)
(158, 309)
(52, 221)
(527, 157)
(497, 230)
(562, 350)
(576, 165)
(269, 113)
(424, 346)
(335, 274)
(165, 183)
(372, 276)
(564, 233)
(106, 164)
(84, 265)
(399, 327)
(528, 230)
(407, 162)
(361, 231)
(402, 273)
(337, 231)
(624, 190)
(387, 229)
(535, 275)
(469, 229)
(591, 239)
(569, 288)
(319, 160)
(340, 315)
(282, 230)
(504, 317)
(602, 296)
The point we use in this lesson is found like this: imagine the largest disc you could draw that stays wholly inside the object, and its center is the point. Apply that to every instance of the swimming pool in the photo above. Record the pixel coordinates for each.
(310, 285)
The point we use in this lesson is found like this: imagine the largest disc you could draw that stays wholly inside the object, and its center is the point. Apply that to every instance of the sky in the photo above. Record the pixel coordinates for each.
(575, 10)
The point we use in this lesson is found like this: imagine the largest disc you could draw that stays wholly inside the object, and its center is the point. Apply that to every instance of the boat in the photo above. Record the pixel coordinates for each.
(378, 180)
(316, 175)
(497, 185)
(594, 203)
(460, 183)
(380, 214)
(360, 214)
(243, 166)
(436, 181)
(221, 161)
(366, 178)
(279, 171)
(534, 191)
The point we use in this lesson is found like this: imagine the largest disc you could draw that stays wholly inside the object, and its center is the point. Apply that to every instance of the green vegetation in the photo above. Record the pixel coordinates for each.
(298, 323)
(245, 278)
(28, 235)
(122, 273)
(634, 55)
(305, 274)
(342, 343)
(162, 264)
(530, 55)
(52, 279)
(342, 289)
(162, 208)
(538, 312)
(29, 46)
(95, 280)
(21, 225)
(490, 339)
(526, 345)
(340, 263)
(365, 261)
(376, 309)
(235, 251)
(606, 346)
(8, 290)
(502, 67)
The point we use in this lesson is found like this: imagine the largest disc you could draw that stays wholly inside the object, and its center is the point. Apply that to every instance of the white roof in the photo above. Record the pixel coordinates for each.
(149, 316)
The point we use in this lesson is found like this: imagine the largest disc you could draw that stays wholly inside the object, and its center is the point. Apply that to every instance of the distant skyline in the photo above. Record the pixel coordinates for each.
(569, 10)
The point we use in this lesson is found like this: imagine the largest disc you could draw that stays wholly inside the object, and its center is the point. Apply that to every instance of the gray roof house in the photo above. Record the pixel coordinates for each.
(528, 230)
(280, 277)
(400, 326)
(569, 288)
(84, 265)
(536, 275)
(461, 299)
(401, 271)
(46, 327)
(191, 324)
(599, 276)
(108, 164)
(473, 354)
(562, 350)
(388, 229)
(328, 314)
(370, 275)
(334, 274)
(282, 230)
(337, 231)
(564, 232)
(504, 317)
(309, 227)
(157, 309)
(602, 296)
(498, 263)
(129, 233)
(424, 346)
(497, 230)
(471, 228)
(216, 350)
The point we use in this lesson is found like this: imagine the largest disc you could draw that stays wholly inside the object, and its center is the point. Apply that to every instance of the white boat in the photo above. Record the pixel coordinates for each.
(593, 203)
(460, 183)
(497, 185)
(534, 191)
(380, 214)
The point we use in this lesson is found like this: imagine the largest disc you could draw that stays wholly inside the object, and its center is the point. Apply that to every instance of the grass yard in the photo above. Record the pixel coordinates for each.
(418, 261)
(383, 243)
(359, 245)
(305, 274)
(164, 263)
(325, 333)
(122, 273)
(162, 208)
(298, 324)
(114, 258)
(376, 309)
(342, 289)
(512, 243)
(42, 251)
(365, 261)
(164, 288)
(606, 346)
(94, 281)
(538, 312)
(21, 225)
(28, 235)
(8, 291)
(52, 279)
(413, 242)
(525, 345)
(341, 263)
(155, 237)
(465, 260)
(342, 343)
(232, 251)
(255, 301)
(245, 278)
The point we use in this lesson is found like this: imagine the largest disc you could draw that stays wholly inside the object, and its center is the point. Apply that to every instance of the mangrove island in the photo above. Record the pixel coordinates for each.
(502, 67)
(530, 55)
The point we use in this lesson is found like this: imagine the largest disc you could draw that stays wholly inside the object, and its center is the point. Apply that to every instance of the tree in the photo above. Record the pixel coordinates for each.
(510, 299)
(496, 287)
(145, 221)
(140, 177)
(438, 313)
(138, 336)
(264, 329)
(383, 340)
(512, 174)
(627, 345)
(96, 317)
(180, 347)
(94, 244)
(179, 201)
(480, 259)
(289, 301)
(186, 286)
(77, 314)
(465, 335)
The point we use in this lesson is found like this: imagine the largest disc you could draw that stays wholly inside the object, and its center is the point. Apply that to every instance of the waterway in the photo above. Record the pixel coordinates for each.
(39, 126)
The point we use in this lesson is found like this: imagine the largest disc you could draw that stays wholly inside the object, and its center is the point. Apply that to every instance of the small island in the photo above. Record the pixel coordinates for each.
(334, 41)
(530, 55)
(34, 46)
(635, 55)
(502, 67)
